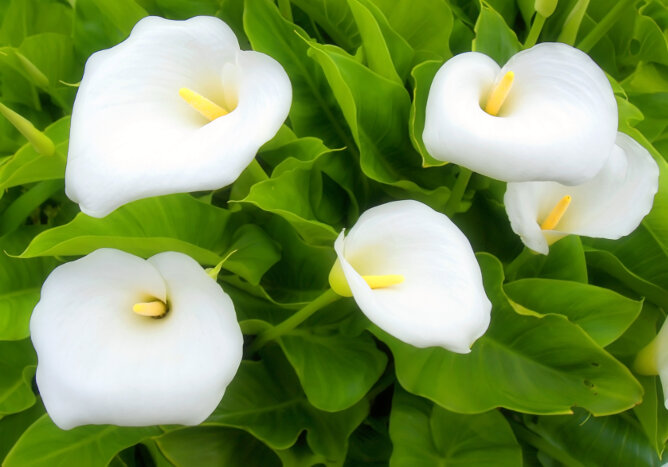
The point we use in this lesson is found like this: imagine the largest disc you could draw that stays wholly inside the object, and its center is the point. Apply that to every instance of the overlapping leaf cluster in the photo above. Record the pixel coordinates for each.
(549, 382)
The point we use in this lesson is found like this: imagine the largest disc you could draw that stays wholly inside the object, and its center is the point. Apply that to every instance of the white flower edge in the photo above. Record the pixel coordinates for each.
(558, 122)
(101, 363)
(442, 301)
(611, 205)
(132, 136)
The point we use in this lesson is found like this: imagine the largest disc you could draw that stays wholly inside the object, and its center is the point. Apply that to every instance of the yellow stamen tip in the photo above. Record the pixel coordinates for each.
(498, 95)
(556, 214)
(204, 106)
(380, 282)
(154, 309)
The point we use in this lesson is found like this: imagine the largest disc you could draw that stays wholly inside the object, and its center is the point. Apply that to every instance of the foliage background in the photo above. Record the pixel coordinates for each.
(549, 384)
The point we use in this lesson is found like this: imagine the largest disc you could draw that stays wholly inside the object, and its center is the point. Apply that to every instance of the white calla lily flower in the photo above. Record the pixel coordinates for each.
(653, 359)
(133, 342)
(177, 107)
(413, 273)
(548, 114)
(610, 205)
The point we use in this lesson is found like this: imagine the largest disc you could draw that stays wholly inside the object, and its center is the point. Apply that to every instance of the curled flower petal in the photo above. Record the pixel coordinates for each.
(99, 362)
(441, 301)
(558, 121)
(134, 136)
(610, 205)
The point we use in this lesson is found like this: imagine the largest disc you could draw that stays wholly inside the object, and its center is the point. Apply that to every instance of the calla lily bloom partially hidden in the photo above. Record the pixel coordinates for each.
(413, 274)
(653, 359)
(133, 342)
(548, 114)
(177, 107)
(610, 205)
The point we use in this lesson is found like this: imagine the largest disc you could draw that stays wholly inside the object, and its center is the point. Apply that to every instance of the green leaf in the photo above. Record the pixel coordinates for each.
(494, 37)
(336, 371)
(598, 441)
(44, 444)
(266, 400)
(17, 367)
(27, 165)
(21, 208)
(423, 74)
(314, 111)
(386, 155)
(425, 24)
(652, 413)
(566, 261)
(335, 17)
(12, 426)
(100, 24)
(542, 365)
(20, 284)
(213, 446)
(426, 435)
(150, 226)
(23, 18)
(385, 51)
(602, 313)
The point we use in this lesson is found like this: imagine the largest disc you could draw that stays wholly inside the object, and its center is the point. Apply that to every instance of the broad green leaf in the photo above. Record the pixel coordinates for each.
(385, 51)
(425, 24)
(335, 17)
(607, 263)
(386, 155)
(652, 413)
(336, 371)
(23, 18)
(542, 365)
(423, 74)
(314, 111)
(494, 37)
(427, 435)
(20, 284)
(17, 367)
(27, 166)
(602, 313)
(21, 208)
(565, 261)
(168, 223)
(100, 24)
(370, 444)
(208, 446)
(12, 426)
(266, 400)
(598, 441)
(44, 444)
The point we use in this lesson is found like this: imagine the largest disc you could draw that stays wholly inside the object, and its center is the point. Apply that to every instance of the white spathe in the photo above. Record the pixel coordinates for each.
(610, 205)
(133, 136)
(441, 301)
(557, 123)
(101, 363)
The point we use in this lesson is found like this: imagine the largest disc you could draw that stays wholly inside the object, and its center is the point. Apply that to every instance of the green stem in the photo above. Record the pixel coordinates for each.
(569, 31)
(454, 201)
(595, 35)
(534, 32)
(543, 445)
(515, 265)
(293, 321)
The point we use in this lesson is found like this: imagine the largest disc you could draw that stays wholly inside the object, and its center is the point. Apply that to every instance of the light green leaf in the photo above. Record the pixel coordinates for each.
(423, 74)
(566, 261)
(598, 441)
(12, 426)
(44, 444)
(23, 18)
(385, 51)
(207, 446)
(20, 284)
(494, 37)
(17, 367)
(336, 371)
(652, 413)
(602, 313)
(27, 165)
(335, 18)
(266, 400)
(427, 435)
(528, 364)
